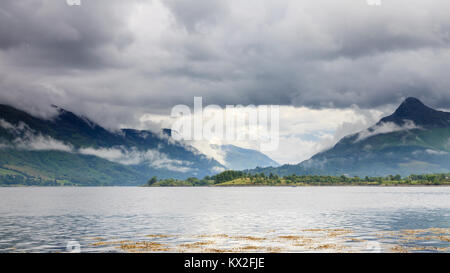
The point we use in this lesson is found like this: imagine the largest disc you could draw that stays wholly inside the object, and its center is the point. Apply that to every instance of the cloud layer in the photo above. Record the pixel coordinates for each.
(116, 61)
(152, 55)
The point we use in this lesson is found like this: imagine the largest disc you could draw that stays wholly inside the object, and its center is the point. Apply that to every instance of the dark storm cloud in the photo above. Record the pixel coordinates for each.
(114, 60)
(46, 44)
(52, 34)
(333, 54)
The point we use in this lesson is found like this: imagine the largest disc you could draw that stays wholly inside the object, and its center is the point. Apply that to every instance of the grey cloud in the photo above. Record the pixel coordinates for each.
(108, 61)
(335, 55)
(195, 15)
(50, 33)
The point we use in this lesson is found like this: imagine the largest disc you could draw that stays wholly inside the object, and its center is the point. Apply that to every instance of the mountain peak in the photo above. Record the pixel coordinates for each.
(411, 104)
(414, 110)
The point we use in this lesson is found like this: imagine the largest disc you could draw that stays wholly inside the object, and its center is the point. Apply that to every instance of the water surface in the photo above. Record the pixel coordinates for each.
(279, 219)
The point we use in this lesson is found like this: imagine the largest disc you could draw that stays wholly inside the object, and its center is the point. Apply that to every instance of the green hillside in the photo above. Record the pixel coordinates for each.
(63, 168)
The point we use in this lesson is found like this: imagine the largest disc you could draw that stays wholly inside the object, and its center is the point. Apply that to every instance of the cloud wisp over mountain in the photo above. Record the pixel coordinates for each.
(384, 128)
(26, 138)
(153, 158)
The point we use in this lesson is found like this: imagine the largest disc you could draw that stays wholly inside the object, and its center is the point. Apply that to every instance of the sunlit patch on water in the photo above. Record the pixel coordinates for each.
(306, 240)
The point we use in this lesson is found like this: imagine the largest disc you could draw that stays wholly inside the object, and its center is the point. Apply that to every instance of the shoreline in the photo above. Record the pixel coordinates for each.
(300, 186)
(226, 186)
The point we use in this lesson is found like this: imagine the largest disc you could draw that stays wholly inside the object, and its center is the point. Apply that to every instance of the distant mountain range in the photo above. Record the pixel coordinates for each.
(237, 158)
(71, 149)
(414, 139)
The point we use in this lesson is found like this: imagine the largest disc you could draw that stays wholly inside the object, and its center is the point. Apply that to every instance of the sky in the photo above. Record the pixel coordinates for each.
(334, 67)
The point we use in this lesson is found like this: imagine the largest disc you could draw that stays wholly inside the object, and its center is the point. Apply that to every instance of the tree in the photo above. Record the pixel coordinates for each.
(227, 176)
(152, 181)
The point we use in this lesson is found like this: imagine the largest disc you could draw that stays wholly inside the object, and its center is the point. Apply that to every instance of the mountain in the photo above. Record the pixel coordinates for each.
(233, 157)
(414, 139)
(237, 158)
(70, 149)
(73, 150)
(414, 110)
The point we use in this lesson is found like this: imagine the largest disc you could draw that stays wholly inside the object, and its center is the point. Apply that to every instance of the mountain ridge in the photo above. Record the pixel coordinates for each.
(138, 153)
(31, 145)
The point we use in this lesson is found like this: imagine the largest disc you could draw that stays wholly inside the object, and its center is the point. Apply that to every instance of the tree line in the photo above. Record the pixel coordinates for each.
(243, 178)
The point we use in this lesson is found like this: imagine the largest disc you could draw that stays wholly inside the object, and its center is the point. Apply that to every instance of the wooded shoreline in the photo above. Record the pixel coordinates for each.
(239, 178)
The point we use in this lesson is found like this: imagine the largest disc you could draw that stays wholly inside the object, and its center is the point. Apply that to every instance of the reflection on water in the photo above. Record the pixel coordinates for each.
(263, 219)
